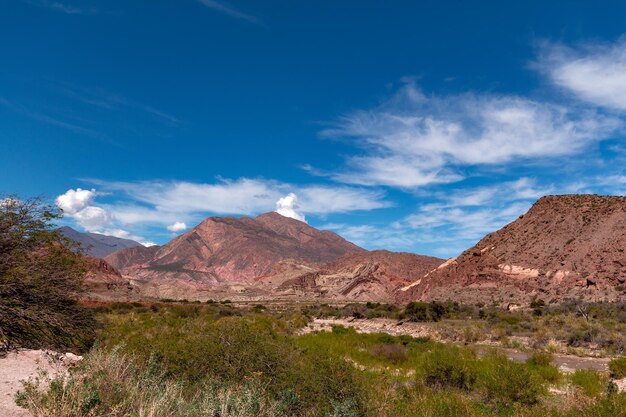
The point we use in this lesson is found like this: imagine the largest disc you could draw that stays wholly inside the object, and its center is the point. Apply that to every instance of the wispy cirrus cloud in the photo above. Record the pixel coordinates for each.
(107, 100)
(229, 10)
(593, 72)
(46, 118)
(63, 7)
(413, 139)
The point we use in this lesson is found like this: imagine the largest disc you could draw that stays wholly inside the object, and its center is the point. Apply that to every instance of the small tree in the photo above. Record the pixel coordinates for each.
(40, 281)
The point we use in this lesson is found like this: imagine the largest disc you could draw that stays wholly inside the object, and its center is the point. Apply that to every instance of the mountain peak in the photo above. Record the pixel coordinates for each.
(240, 249)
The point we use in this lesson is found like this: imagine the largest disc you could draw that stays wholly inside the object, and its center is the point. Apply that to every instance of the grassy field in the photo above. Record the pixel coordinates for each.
(218, 359)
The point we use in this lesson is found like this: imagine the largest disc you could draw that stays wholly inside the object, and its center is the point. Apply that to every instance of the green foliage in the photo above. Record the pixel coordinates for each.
(617, 367)
(419, 311)
(590, 382)
(192, 347)
(541, 364)
(505, 382)
(40, 280)
(111, 384)
(450, 367)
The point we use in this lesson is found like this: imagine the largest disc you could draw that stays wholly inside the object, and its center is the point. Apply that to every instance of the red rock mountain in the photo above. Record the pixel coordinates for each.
(134, 257)
(565, 247)
(103, 282)
(361, 276)
(233, 250)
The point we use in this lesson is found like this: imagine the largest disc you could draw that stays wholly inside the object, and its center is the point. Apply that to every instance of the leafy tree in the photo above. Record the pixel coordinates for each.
(40, 280)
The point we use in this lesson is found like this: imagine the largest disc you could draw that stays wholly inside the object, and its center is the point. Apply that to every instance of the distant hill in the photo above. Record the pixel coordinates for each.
(230, 249)
(360, 276)
(564, 247)
(95, 244)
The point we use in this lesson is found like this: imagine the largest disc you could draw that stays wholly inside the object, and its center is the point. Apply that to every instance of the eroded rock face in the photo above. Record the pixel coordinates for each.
(569, 246)
(103, 282)
(362, 276)
(129, 258)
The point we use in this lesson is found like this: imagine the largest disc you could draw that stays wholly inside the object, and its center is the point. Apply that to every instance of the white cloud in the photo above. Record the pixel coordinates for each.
(78, 205)
(414, 140)
(73, 201)
(123, 234)
(167, 202)
(288, 206)
(595, 73)
(92, 218)
(177, 227)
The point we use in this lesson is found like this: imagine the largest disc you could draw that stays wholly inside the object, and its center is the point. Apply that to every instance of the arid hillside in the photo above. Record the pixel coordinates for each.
(564, 247)
(222, 251)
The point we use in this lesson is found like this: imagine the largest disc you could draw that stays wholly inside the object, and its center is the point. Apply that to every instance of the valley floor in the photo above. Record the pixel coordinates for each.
(566, 363)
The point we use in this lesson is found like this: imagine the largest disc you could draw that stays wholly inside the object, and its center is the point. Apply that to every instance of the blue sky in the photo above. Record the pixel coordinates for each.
(415, 126)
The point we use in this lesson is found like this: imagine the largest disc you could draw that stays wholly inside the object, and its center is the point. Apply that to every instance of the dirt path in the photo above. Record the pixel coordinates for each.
(566, 363)
(22, 365)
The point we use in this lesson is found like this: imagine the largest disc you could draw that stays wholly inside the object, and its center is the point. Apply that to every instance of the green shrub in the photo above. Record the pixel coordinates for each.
(540, 359)
(590, 382)
(116, 385)
(505, 382)
(420, 311)
(617, 367)
(448, 366)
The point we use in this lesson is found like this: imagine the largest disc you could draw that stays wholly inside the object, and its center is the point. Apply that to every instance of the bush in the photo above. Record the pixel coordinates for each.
(229, 350)
(505, 382)
(40, 281)
(541, 364)
(589, 381)
(540, 359)
(617, 367)
(449, 367)
(419, 311)
(117, 385)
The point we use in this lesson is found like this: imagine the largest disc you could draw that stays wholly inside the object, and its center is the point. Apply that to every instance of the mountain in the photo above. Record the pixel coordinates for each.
(103, 282)
(360, 276)
(132, 257)
(564, 247)
(224, 252)
(95, 244)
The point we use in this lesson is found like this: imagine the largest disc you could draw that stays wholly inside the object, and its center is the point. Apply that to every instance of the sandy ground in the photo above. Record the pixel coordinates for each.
(19, 366)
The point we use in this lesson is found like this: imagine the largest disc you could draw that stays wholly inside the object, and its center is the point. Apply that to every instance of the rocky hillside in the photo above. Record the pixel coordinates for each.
(130, 258)
(96, 244)
(565, 247)
(223, 250)
(103, 282)
(361, 276)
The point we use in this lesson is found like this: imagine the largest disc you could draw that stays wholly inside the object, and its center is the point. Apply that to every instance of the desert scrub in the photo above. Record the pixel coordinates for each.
(504, 382)
(449, 367)
(617, 367)
(193, 348)
(590, 382)
(393, 352)
(541, 364)
(112, 384)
